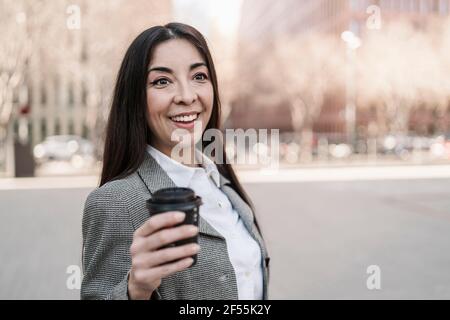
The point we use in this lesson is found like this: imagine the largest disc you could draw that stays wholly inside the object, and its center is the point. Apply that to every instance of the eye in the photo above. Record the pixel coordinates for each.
(160, 82)
(201, 76)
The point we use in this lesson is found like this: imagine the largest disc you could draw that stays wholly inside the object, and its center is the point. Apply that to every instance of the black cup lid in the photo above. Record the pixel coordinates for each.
(173, 195)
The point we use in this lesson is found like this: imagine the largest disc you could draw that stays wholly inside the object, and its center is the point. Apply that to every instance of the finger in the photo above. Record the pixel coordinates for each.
(159, 221)
(150, 275)
(171, 268)
(159, 257)
(161, 238)
(168, 236)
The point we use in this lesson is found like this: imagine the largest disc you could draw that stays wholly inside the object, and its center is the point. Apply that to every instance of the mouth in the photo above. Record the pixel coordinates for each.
(185, 121)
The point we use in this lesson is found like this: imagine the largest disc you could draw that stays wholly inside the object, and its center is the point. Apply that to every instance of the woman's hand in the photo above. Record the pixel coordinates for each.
(149, 263)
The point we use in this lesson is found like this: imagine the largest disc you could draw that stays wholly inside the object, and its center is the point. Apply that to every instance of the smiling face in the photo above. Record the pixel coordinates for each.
(179, 93)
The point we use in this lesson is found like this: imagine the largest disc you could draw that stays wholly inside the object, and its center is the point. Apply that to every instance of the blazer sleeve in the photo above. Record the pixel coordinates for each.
(107, 236)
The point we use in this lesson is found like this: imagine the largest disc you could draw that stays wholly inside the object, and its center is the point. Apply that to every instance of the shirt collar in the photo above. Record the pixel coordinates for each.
(182, 174)
(209, 166)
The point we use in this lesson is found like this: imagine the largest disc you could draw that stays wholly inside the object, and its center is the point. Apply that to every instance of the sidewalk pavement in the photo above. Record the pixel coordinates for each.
(367, 173)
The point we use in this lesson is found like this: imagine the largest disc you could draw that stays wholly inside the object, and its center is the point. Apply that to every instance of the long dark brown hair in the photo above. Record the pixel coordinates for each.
(127, 131)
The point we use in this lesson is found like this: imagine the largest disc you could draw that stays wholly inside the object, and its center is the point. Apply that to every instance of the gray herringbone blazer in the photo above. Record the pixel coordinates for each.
(114, 211)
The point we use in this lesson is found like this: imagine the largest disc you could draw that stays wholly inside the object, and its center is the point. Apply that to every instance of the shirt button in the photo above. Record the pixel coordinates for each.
(247, 274)
(220, 204)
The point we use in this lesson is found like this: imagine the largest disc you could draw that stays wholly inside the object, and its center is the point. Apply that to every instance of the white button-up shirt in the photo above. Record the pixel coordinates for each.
(243, 250)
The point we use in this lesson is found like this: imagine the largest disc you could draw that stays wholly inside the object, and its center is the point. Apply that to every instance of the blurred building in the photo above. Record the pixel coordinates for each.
(263, 20)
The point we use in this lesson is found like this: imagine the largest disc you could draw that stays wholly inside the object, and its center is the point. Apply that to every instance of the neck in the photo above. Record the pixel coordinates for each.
(185, 156)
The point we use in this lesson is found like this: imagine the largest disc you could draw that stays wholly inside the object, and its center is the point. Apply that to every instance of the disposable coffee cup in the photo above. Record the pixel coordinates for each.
(177, 199)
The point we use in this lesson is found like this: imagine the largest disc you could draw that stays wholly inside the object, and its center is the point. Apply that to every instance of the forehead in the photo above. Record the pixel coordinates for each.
(175, 52)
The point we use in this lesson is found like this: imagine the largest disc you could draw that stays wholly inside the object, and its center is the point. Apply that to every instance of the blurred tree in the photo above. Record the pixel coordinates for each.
(400, 69)
(440, 104)
(14, 51)
(301, 69)
(223, 47)
(22, 24)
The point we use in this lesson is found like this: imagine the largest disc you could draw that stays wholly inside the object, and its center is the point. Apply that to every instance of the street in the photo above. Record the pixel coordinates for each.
(322, 234)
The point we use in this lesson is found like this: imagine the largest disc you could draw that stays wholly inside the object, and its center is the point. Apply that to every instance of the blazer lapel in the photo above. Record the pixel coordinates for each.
(246, 214)
(239, 205)
(156, 178)
(244, 211)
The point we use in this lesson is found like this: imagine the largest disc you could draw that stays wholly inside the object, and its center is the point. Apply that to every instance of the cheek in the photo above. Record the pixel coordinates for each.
(207, 95)
(156, 105)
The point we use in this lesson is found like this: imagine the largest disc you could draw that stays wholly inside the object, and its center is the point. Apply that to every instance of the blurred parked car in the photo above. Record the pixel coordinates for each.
(77, 151)
(440, 148)
(340, 151)
(404, 145)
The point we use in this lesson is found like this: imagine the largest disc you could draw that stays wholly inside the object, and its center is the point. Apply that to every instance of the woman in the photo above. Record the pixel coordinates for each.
(167, 83)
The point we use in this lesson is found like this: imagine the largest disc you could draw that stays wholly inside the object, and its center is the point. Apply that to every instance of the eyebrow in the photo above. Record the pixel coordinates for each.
(168, 70)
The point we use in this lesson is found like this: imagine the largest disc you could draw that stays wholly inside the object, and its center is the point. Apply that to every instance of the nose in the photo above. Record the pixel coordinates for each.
(186, 94)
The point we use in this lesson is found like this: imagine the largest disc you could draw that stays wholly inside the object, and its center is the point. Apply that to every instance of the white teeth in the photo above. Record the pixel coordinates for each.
(185, 118)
